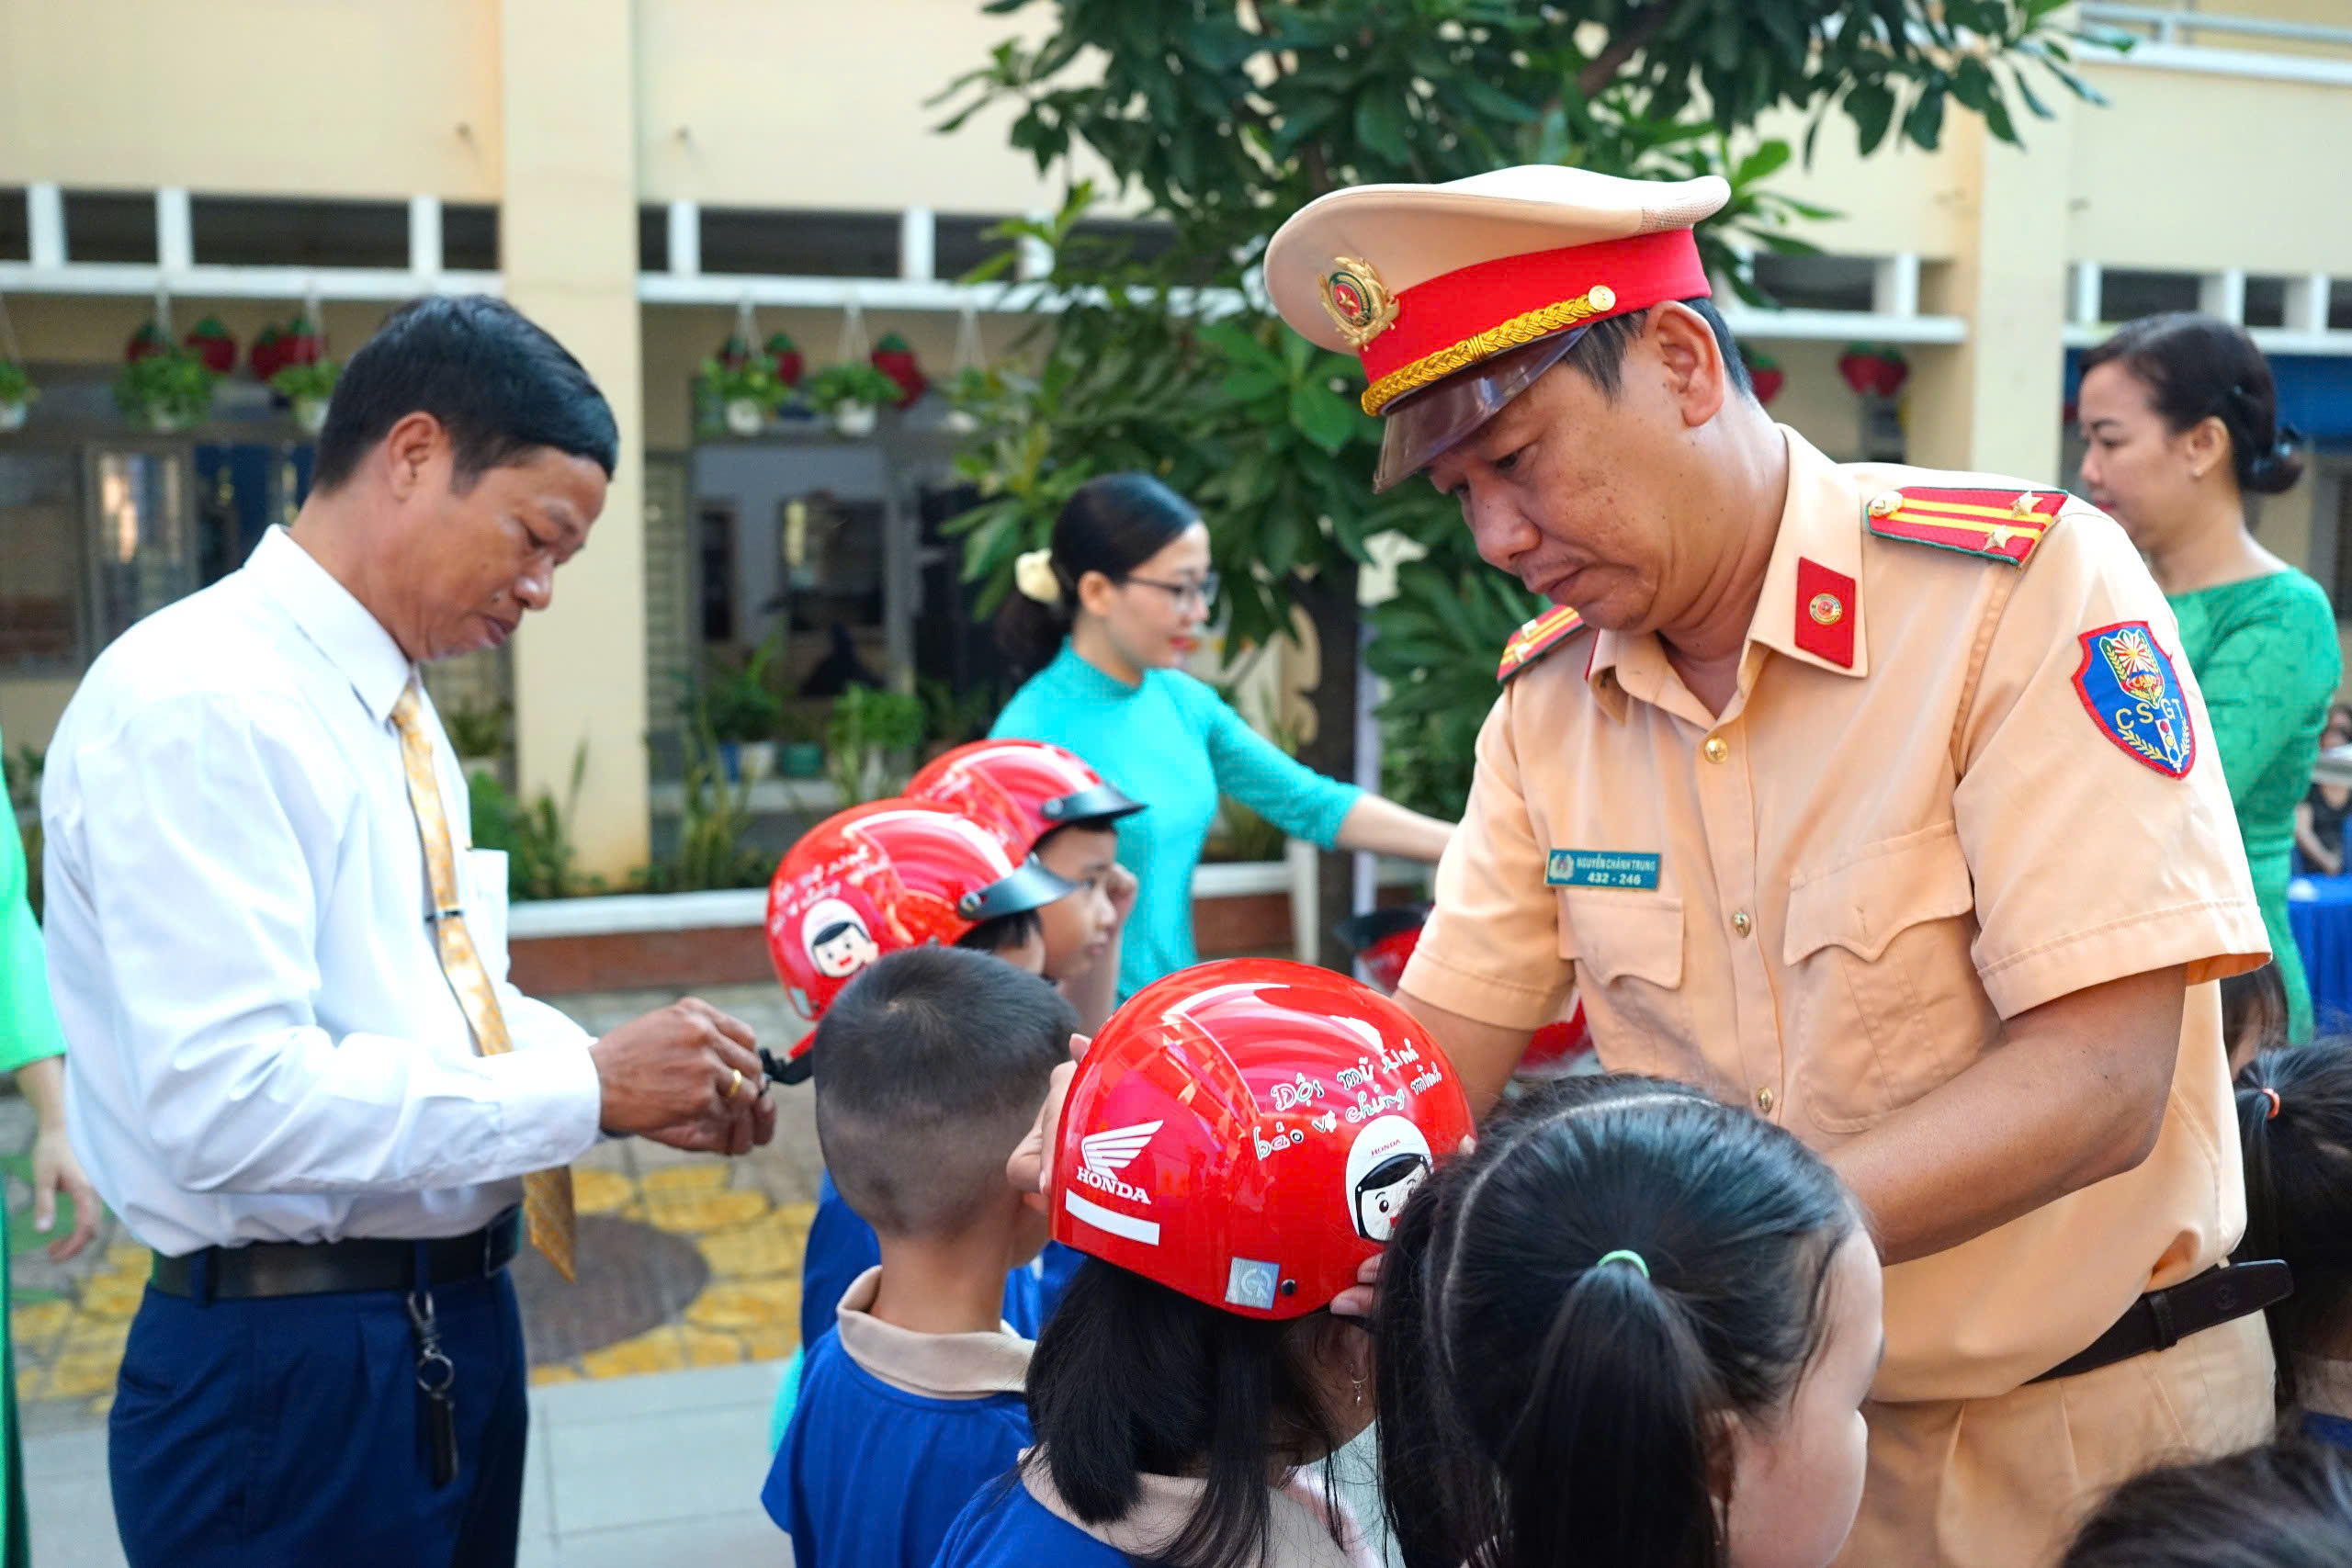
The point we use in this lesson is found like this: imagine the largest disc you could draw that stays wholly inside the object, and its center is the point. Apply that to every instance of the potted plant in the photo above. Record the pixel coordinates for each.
(802, 752)
(479, 733)
(784, 355)
(741, 711)
(1873, 369)
(211, 342)
(307, 389)
(871, 731)
(17, 395)
(972, 391)
(166, 390)
(743, 391)
(850, 395)
(1765, 372)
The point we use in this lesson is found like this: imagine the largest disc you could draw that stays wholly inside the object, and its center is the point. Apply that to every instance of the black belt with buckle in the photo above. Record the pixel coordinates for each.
(324, 1268)
(2161, 1319)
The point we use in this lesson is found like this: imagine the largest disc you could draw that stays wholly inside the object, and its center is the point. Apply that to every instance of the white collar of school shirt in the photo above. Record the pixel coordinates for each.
(1298, 1534)
(338, 624)
(934, 1366)
(2325, 1384)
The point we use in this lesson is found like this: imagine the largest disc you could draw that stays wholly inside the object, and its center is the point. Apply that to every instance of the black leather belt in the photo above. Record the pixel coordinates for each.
(2161, 1319)
(325, 1268)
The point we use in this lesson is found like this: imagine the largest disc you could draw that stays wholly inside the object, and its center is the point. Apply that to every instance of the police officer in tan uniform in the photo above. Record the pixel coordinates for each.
(1874, 798)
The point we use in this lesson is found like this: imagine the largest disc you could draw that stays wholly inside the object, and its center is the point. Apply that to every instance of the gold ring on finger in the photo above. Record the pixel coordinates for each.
(734, 1084)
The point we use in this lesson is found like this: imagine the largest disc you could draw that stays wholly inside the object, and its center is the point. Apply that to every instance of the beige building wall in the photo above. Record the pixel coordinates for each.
(283, 96)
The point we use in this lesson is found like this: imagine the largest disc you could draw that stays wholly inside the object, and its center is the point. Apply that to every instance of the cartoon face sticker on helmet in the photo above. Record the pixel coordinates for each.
(1388, 1159)
(838, 942)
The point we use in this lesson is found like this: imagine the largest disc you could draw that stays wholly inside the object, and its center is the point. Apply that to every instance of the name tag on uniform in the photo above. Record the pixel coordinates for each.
(1599, 868)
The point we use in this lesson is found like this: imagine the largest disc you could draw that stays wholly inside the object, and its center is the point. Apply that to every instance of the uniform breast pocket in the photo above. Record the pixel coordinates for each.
(1882, 996)
(1627, 949)
(486, 907)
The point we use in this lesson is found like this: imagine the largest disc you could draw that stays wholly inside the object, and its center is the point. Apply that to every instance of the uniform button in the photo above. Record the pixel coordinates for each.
(1740, 924)
(1716, 749)
(1764, 1101)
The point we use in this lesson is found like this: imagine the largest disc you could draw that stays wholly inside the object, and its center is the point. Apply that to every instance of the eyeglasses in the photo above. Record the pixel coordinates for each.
(1204, 591)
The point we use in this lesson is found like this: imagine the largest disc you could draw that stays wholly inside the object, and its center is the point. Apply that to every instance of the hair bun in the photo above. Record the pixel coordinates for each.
(2276, 470)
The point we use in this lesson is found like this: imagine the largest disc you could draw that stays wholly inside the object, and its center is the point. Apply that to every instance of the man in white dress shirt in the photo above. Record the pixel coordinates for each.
(297, 1071)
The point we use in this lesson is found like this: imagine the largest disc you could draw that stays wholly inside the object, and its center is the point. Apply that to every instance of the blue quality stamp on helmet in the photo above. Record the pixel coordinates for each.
(2132, 692)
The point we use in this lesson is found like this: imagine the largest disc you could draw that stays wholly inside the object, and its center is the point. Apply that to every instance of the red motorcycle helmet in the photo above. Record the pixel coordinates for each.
(1021, 790)
(1246, 1131)
(877, 878)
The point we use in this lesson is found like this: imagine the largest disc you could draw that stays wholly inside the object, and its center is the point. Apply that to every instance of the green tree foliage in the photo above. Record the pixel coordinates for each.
(1222, 117)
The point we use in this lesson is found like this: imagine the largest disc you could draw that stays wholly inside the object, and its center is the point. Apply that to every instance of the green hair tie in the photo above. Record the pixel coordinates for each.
(1624, 1256)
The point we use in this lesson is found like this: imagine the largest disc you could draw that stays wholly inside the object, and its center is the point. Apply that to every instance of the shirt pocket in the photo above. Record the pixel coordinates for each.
(486, 908)
(1883, 999)
(1627, 950)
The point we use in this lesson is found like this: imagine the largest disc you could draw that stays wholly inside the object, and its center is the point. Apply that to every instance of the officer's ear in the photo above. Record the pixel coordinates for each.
(1697, 379)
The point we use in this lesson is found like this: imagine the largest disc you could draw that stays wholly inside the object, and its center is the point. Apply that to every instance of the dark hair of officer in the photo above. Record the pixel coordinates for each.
(2294, 1106)
(2198, 367)
(496, 382)
(1111, 525)
(2282, 1505)
(1541, 1401)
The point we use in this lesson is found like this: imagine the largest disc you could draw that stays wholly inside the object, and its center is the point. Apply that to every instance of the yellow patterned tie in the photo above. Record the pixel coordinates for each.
(547, 1194)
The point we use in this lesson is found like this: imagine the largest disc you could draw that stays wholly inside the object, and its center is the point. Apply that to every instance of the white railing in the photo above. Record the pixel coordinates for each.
(2158, 38)
(2171, 25)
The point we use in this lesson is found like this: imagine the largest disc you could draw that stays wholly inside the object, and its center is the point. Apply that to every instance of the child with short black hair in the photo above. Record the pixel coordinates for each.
(2295, 1130)
(2282, 1505)
(929, 1067)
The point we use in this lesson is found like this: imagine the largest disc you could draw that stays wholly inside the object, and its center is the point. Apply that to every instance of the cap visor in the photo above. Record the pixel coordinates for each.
(1031, 886)
(1422, 426)
(1092, 807)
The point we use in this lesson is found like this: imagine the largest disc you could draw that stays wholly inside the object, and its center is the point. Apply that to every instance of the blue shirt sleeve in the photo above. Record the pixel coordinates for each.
(1260, 774)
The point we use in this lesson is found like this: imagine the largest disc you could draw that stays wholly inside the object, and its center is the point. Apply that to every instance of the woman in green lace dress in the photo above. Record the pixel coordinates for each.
(2180, 425)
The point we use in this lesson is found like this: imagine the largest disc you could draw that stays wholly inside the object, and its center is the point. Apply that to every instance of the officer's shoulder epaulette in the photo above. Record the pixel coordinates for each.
(1537, 637)
(2006, 525)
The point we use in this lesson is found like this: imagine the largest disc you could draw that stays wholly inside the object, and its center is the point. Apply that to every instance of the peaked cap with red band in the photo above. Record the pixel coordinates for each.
(1446, 291)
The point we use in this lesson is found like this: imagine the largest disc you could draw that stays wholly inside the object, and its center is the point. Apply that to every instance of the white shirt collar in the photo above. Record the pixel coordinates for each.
(343, 628)
(935, 1366)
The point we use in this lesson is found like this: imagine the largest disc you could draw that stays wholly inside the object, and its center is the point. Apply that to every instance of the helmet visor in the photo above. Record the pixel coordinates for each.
(1422, 426)
(1094, 808)
(1031, 886)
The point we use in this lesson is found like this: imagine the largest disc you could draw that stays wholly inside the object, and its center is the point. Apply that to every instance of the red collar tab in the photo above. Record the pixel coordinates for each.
(1537, 637)
(2004, 523)
(1824, 617)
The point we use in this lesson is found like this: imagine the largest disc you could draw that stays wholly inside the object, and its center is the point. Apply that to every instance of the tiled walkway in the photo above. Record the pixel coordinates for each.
(689, 1267)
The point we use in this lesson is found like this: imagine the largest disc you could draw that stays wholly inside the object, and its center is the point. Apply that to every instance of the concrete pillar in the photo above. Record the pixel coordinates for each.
(1993, 403)
(567, 247)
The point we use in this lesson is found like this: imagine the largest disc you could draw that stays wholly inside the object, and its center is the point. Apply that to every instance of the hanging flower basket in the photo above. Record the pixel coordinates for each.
(17, 395)
(736, 398)
(895, 359)
(852, 396)
(209, 341)
(148, 341)
(164, 389)
(784, 356)
(1873, 370)
(1765, 374)
(306, 390)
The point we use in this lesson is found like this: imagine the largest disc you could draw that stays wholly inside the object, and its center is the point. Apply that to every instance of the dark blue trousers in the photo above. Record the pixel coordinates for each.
(255, 1434)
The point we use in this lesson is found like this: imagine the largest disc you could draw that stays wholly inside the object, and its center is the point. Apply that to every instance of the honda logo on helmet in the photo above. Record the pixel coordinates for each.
(1107, 1153)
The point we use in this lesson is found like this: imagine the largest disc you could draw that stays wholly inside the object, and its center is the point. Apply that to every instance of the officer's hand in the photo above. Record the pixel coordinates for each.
(688, 1075)
(1030, 1168)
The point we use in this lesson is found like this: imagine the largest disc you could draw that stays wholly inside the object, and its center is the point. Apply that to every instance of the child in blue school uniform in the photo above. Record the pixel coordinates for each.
(2295, 1131)
(1234, 1146)
(929, 1067)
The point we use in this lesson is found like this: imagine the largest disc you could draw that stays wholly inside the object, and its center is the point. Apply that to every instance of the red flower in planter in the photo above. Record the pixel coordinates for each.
(894, 358)
(148, 339)
(786, 355)
(1869, 369)
(1765, 374)
(213, 344)
(267, 355)
(300, 345)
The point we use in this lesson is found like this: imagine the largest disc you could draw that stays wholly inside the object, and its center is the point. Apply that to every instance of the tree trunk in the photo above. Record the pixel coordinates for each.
(1329, 601)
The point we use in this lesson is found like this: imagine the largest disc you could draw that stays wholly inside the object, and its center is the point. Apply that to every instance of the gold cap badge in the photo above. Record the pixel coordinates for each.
(1356, 301)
